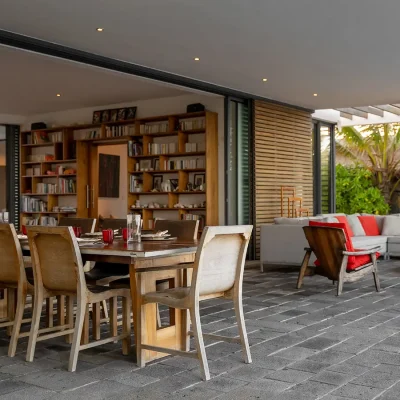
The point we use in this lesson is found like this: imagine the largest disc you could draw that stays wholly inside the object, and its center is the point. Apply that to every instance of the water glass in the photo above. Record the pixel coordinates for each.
(134, 225)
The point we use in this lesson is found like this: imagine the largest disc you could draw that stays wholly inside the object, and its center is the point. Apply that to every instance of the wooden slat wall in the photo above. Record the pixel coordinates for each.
(283, 156)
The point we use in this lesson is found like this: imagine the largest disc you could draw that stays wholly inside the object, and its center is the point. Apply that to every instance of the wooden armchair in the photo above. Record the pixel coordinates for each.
(330, 247)
(217, 272)
(182, 230)
(58, 271)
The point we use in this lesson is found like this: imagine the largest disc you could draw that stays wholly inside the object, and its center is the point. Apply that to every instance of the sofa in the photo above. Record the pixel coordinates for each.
(282, 243)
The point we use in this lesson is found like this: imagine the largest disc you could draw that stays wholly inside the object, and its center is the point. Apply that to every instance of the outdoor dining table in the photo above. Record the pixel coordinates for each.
(149, 262)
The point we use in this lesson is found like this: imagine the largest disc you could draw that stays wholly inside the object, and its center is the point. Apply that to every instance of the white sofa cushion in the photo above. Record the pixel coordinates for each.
(355, 225)
(391, 226)
(364, 242)
(301, 221)
(332, 215)
(394, 239)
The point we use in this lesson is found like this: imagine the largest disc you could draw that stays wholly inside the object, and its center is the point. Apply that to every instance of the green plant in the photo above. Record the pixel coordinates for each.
(376, 148)
(356, 193)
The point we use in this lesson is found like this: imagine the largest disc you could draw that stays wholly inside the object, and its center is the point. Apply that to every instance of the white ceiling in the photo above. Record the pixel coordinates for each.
(347, 51)
(29, 84)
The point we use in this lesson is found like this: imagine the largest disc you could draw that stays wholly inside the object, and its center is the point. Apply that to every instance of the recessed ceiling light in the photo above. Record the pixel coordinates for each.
(315, 94)
(99, 29)
(264, 79)
(196, 59)
(58, 95)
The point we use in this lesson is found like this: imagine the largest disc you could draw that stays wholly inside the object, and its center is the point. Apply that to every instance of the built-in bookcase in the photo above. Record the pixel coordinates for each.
(173, 147)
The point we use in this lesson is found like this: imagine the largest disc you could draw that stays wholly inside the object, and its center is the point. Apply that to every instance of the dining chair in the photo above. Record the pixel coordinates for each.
(86, 224)
(217, 272)
(58, 271)
(13, 278)
(185, 230)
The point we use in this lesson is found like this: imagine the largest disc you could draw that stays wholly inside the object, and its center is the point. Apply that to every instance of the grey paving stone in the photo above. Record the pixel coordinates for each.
(331, 356)
(248, 373)
(19, 369)
(289, 375)
(392, 393)
(332, 377)
(357, 392)
(174, 383)
(350, 369)
(296, 353)
(133, 379)
(270, 385)
(159, 370)
(222, 384)
(8, 386)
(311, 390)
(29, 393)
(377, 379)
(248, 393)
(309, 366)
(318, 343)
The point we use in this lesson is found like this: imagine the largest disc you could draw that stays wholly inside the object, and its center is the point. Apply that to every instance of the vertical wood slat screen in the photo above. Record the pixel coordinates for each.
(283, 157)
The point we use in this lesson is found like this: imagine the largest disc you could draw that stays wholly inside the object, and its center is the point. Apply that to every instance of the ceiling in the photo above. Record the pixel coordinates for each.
(29, 84)
(347, 52)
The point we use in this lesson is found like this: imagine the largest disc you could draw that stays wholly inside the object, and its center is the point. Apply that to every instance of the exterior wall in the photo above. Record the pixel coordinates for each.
(283, 157)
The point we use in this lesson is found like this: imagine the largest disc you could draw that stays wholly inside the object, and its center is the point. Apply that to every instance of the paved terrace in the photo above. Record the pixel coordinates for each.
(306, 344)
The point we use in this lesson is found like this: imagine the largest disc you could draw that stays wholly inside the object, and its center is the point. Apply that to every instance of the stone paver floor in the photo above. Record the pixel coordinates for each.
(306, 344)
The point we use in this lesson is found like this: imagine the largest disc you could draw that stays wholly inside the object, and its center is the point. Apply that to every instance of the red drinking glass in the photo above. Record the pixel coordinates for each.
(125, 232)
(108, 236)
(23, 229)
(77, 231)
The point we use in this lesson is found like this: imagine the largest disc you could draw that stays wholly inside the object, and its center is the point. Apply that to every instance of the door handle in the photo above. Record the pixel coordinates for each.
(87, 196)
(92, 196)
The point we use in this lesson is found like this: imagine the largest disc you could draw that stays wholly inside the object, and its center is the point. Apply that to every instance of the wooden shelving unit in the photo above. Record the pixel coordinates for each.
(76, 149)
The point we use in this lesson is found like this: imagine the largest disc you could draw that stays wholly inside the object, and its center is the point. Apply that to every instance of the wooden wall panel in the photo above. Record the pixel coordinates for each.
(283, 156)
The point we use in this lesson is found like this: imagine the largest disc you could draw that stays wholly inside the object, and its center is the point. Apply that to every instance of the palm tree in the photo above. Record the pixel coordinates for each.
(377, 148)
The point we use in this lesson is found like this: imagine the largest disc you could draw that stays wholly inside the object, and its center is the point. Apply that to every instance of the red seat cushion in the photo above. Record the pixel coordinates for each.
(343, 220)
(369, 224)
(353, 262)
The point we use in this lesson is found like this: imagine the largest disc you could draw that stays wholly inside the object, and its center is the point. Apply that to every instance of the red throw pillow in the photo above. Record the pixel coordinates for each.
(369, 225)
(343, 220)
(353, 262)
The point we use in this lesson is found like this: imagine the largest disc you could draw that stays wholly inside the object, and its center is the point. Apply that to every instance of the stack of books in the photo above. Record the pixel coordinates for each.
(67, 186)
(192, 123)
(162, 148)
(30, 204)
(154, 127)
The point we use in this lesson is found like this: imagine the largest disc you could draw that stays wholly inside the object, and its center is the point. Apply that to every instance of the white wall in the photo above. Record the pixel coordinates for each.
(12, 119)
(148, 108)
(117, 207)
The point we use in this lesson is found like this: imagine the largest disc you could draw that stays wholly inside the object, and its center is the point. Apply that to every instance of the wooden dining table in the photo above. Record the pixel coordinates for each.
(149, 262)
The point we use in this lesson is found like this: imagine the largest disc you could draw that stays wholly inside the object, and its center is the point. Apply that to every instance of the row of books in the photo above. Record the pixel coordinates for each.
(63, 186)
(67, 185)
(192, 147)
(46, 188)
(154, 127)
(192, 123)
(41, 137)
(87, 134)
(135, 184)
(41, 157)
(43, 221)
(30, 204)
(196, 163)
(33, 171)
(134, 148)
(119, 130)
(162, 148)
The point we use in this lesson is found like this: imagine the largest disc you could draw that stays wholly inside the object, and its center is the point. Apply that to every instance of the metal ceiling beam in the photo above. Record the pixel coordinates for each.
(345, 115)
(353, 111)
(370, 110)
(391, 108)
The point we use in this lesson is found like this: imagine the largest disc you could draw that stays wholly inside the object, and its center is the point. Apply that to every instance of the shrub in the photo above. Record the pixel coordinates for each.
(355, 192)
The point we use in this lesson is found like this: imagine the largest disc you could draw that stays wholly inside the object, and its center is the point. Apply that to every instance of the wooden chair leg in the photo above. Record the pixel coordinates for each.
(198, 337)
(61, 310)
(158, 317)
(81, 317)
(303, 268)
(85, 330)
(96, 321)
(11, 307)
(21, 300)
(375, 273)
(126, 325)
(70, 318)
(37, 310)
(342, 273)
(242, 329)
(113, 316)
(50, 312)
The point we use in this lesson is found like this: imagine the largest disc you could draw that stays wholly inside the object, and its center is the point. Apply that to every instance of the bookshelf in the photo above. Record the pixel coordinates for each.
(175, 148)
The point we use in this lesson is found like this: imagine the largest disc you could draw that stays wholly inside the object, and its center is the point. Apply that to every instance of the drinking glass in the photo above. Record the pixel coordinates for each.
(134, 225)
(108, 236)
(77, 230)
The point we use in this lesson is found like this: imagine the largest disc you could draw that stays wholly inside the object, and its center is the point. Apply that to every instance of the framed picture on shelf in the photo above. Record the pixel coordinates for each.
(96, 117)
(105, 116)
(145, 165)
(174, 184)
(199, 180)
(156, 165)
(114, 115)
(130, 113)
(121, 114)
(157, 180)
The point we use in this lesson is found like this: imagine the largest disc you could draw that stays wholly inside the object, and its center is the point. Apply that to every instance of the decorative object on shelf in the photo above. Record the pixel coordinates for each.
(189, 187)
(199, 181)
(96, 117)
(156, 165)
(108, 175)
(38, 125)
(131, 112)
(196, 107)
(157, 181)
(166, 186)
(114, 115)
(121, 114)
(145, 165)
(105, 116)
(174, 184)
